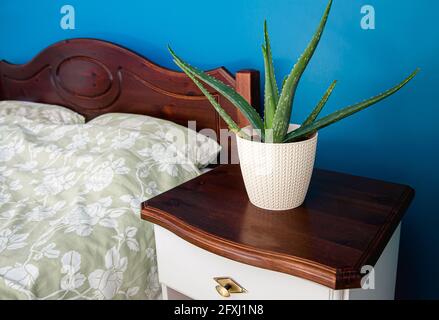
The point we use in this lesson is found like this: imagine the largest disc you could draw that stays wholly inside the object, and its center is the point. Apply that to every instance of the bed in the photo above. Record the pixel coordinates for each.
(70, 193)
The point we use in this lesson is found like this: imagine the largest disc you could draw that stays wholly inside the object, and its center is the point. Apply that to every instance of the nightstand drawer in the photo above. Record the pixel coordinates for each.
(191, 271)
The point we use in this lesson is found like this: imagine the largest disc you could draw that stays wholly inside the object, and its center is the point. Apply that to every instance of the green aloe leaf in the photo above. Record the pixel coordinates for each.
(283, 110)
(345, 112)
(284, 81)
(315, 113)
(227, 119)
(271, 91)
(229, 93)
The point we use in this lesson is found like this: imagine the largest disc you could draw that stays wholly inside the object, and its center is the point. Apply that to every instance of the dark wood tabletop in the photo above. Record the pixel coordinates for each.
(345, 223)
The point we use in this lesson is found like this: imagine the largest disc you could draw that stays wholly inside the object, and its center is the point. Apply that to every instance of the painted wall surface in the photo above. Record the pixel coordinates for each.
(395, 140)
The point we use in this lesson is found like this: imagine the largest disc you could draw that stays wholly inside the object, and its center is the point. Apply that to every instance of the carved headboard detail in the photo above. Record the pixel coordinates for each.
(93, 77)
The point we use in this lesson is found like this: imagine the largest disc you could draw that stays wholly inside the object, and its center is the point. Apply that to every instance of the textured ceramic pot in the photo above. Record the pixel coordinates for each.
(277, 175)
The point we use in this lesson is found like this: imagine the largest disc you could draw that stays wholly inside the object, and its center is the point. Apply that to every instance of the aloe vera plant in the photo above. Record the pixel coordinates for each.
(278, 105)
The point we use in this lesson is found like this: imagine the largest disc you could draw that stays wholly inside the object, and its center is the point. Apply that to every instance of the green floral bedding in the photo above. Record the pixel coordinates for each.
(70, 195)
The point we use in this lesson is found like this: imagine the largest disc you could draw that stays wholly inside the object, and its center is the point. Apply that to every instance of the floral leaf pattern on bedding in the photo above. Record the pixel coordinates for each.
(70, 198)
(26, 111)
(198, 148)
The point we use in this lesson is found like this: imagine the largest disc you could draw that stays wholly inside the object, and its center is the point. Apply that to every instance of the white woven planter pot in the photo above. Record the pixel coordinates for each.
(277, 175)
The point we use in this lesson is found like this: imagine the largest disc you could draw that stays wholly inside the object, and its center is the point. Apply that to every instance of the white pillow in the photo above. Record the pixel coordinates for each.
(40, 112)
(197, 147)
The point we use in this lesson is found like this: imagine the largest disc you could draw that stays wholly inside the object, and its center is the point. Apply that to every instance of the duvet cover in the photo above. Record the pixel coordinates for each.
(70, 198)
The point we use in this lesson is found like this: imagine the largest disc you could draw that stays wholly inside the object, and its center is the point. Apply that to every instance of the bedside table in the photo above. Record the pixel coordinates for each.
(212, 242)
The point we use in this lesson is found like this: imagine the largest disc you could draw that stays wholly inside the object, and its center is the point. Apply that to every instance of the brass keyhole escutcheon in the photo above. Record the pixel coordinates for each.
(227, 286)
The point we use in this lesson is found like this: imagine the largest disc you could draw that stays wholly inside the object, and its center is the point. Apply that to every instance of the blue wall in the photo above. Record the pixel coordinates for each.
(395, 140)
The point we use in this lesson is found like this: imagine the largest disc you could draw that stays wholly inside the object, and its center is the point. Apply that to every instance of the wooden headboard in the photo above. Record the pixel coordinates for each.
(93, 77)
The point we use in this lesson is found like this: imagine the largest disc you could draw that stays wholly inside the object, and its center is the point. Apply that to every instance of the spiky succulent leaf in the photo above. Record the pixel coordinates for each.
(224, 115)
(283, 82)
(345, 112)
(269, 99)
(271, 91)
(229, 93)
(315, 113)
(282, 116)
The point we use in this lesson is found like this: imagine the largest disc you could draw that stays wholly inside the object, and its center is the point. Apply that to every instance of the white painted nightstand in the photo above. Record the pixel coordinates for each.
(212, 243)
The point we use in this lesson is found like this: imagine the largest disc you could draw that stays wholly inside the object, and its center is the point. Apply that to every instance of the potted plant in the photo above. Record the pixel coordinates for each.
(277, 158)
